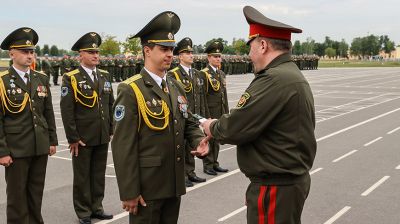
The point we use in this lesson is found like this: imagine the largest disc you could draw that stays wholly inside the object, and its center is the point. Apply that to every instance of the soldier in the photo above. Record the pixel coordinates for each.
(27, 129)
(194, 87)
(272, 152)
(86, 108)
(217, 101)
(151, 114)
(65, 64)
(55, 64)
(46, 66)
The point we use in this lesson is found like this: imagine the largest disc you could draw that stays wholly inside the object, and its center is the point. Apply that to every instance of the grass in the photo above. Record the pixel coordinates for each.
(351, 64)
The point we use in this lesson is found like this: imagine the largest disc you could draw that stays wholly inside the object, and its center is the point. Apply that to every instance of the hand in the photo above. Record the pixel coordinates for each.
(132, 205)
(202, 148)
(206, 126)
(74, 147)
(52, 150)
(6, 161)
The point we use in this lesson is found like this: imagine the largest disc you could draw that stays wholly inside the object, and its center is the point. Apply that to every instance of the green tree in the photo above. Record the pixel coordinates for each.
(198, 49)
(46, 49)
(308, 46)
(54, 50)
(330, 52)
(356, 46)
(296, 49)
(319, 49)
(240, 47)
(343, 48)
(109, 45)
(38, 51)
(386, 44)
(132, 45)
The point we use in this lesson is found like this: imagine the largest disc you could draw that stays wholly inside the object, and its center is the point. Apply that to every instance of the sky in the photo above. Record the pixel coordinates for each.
(63, 22)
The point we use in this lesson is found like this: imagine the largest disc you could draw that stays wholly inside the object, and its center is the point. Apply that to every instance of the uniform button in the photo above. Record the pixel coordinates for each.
(33, 101)
(178, 146)
(99, 98)
(34, 117)
(178, 159)
(177, 133)
(176, 121)
(33, 109)
(35, 125)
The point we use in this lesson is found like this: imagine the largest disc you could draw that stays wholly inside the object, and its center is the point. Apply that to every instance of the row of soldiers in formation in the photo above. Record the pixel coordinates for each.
(122, 67)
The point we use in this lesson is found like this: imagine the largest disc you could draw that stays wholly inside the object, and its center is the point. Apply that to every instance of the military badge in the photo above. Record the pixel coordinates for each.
(200, 82)
(159, 102)
(107, 84)
(119, 112)
(148, 103)
(12, 85)
(13, 91)
(243, 100)
(184, 110)
(19, 90)
(154, 101)
(64, 91)
(182, 100)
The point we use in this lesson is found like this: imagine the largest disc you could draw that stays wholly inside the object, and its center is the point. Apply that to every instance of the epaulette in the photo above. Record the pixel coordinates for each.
(73, 72)
(174, 69)
(3, 73)
(204, 70)
(40, 73)
(132, 79)
(105, 71)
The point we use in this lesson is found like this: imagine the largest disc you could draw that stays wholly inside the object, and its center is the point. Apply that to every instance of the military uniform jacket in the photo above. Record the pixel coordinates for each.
(194, 88)
(151, 162)
(93, 123)
(272, 125)
(216, 95)
(31, 131)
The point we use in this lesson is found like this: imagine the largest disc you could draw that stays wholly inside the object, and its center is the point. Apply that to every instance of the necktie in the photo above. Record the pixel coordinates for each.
(28, 81)
(190, 73)
(95, 81)
(164, 86)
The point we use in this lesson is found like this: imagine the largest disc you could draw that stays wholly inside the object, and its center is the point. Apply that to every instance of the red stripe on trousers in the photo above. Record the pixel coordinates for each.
(272, 205)
(261, 218)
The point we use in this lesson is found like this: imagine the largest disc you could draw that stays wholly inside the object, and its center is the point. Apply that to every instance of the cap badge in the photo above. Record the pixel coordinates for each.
(28, 42)
(170, 36)
(94, 45)
(170, 15)
(27, 30)
(93, 34)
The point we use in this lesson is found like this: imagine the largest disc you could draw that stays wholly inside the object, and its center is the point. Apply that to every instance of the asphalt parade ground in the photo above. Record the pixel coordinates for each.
(355, 177)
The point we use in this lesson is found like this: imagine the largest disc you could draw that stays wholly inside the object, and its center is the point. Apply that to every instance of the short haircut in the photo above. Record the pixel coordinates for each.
(150, 45)
(279, 44)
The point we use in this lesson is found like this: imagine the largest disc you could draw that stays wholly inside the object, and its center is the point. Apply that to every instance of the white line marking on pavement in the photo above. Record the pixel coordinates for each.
(59, 157)
(393, 131)
(373, 187)
(338, 215)
(110, 176)
(60, 127)
(62, 150)
(232, 147)
(63, 144)
(356, 125)
(398, 167)
(344, 156)
(121, 215)
(373, 141)
(316, 170)
(237, 211)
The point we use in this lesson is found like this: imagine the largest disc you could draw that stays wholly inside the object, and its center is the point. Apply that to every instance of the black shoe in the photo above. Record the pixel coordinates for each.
(210, 172)
(196, 179)
(188, 183)
(220, 169)
(102, 215)
(85, 220)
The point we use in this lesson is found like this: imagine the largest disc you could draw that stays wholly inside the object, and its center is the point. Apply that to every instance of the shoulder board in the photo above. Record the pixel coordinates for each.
(204, 70)
(73, 72)
(132, 79)
(174, 69)
(3, 73)
(101, 70)
(40, 73)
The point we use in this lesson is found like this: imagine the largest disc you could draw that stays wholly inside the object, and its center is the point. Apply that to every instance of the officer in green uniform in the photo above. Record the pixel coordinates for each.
(272, 125)
(86, 108)
(65, 64)
(217, 101)
(27, 129)
(55, 64)
(151, 112)
(194, 87)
